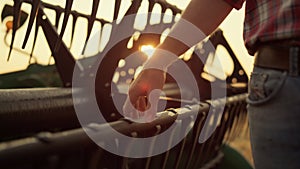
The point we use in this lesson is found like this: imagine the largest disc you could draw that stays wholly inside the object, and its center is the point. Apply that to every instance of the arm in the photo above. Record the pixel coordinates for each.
(206, 15)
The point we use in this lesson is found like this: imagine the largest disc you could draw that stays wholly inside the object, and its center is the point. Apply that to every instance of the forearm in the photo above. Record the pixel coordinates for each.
(205, 15)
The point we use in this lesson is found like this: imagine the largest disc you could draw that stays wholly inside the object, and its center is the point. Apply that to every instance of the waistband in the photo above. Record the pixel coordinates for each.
(283, 56)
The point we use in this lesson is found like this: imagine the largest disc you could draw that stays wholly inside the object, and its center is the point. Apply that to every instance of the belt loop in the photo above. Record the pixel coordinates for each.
(293, 61)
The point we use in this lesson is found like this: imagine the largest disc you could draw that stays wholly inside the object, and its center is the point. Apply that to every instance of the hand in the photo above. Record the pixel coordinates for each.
(141, 103)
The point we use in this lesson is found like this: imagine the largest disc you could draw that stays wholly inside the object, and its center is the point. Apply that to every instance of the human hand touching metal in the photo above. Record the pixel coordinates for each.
(143, 95)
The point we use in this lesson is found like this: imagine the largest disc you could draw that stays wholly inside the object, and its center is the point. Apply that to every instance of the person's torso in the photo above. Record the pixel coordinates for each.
(269, 20)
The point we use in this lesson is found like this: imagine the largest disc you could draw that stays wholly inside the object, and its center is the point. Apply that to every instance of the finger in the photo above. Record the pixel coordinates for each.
(134, 111)
(142, 103)
(153, 103)
(137, 89)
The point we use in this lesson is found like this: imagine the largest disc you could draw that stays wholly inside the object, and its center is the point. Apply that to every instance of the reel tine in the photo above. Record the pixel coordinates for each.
(91, 21)
(37, 24)
(16, 22)
(33, 13)
(117, 8)
(68, 8)
(75, 17)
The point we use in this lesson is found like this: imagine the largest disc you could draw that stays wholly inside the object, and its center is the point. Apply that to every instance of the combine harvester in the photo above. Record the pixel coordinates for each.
(41, 129)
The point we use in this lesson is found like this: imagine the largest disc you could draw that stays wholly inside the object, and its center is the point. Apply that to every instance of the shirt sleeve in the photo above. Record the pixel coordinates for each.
(237, 4)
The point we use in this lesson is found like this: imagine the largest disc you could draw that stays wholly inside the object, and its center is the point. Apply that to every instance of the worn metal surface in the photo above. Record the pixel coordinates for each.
(56, 148)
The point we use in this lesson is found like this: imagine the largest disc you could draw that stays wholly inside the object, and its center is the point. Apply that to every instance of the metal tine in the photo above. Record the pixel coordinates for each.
(100, 36)
(161, 26)
(74, 21)
(158, 130)
(186, 131)
(16, 22)
(180, 154)
(243, 126)
(150, 9)
(116, 29)
(245, 119)
(217, 135)
(173, 15)
(195, 141)
(91, 21)
(34, 10)
(58, 13)
(236, 123)
(244, 114)
(232, 126)
(114, 32)
(175, 130)
(68, 8)
(222, 128)
(134, 7)
(166, 6)
(117, 9)
(231, 115)
(202, 147)
(128, 145)
(103, 23)
(224, 124)
(163, 9)
(208, 144)
(163, 14)
(95, 159)
(239, 121)
(37, 24)
(229, 109)
(169, 6)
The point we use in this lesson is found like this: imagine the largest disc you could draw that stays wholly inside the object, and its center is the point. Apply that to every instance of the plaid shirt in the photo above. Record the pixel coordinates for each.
(269, 20)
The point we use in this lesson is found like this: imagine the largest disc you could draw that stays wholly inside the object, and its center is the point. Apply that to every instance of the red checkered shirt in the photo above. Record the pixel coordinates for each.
(269, 20)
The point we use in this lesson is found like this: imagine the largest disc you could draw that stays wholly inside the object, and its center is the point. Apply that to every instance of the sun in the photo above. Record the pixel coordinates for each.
(148, 50)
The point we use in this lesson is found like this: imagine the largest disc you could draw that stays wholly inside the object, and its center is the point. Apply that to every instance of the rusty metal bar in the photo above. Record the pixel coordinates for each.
(47, 143)
(27, 111)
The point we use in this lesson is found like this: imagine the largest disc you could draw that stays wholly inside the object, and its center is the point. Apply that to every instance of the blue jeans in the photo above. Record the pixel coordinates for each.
(274, 119)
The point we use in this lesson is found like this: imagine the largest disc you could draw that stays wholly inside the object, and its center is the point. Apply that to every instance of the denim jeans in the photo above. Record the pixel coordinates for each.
(274, 119)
